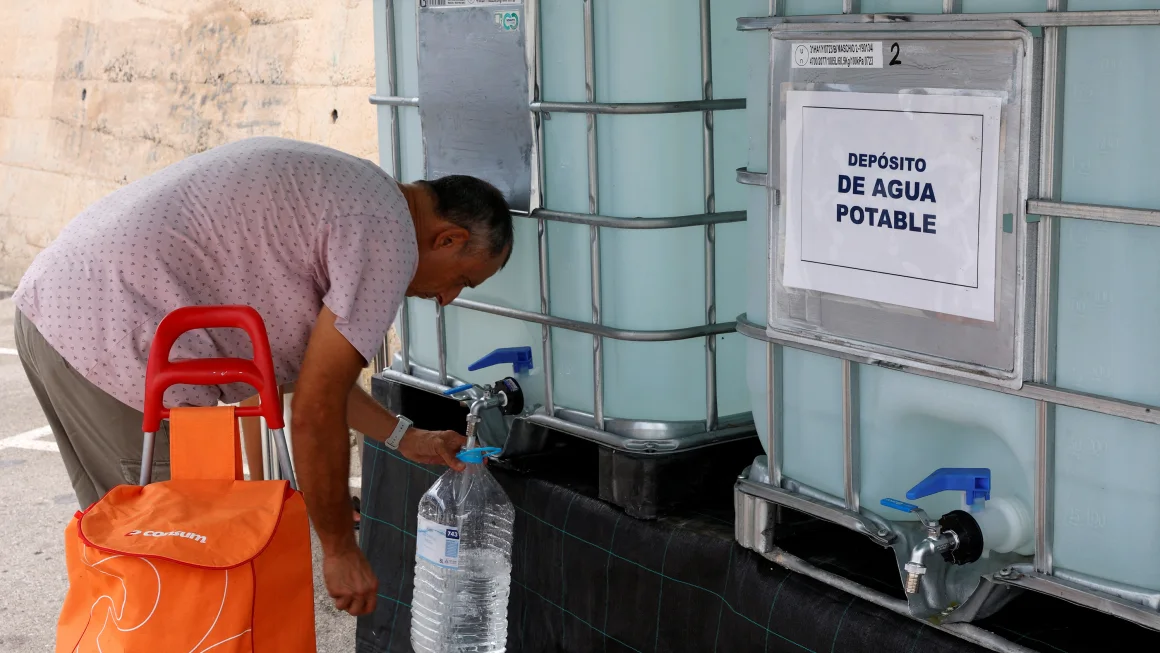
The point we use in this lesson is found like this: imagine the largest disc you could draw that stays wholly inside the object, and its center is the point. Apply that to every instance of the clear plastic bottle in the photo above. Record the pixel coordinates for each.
(463, 562)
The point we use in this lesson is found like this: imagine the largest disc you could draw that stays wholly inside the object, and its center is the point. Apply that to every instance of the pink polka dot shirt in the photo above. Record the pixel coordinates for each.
(283, 226)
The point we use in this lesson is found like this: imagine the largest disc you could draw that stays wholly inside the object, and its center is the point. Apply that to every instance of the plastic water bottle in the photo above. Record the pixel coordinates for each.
(463, 562)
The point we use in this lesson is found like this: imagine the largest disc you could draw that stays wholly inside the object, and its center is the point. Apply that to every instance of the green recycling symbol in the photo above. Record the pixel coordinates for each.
(508, 20)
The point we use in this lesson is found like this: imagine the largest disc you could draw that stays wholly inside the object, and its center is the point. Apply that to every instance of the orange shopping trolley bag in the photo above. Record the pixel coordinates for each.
(204, 562)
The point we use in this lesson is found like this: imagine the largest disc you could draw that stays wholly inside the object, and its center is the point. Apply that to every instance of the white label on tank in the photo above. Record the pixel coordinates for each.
(456, 4)
(840, 54)
(438, 543)
(893, 198)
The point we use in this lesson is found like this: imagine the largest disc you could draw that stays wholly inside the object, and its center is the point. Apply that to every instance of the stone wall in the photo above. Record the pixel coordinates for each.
(97, 93)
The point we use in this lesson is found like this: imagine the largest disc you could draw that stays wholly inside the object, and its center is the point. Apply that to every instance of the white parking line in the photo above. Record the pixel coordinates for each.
(30, 440)
(5, 351)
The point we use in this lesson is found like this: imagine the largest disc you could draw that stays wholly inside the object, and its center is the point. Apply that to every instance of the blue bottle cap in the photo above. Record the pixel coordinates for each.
(477, 454)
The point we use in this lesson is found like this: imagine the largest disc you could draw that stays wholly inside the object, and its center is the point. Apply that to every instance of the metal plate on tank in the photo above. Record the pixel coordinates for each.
(473, 78)
(942, 283)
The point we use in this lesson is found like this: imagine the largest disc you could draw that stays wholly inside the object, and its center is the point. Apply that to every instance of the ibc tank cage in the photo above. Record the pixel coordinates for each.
(1082, 415)
(619, 146)
(1081, 382)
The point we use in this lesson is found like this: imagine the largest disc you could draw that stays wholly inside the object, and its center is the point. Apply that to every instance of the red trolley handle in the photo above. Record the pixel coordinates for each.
(258, 373)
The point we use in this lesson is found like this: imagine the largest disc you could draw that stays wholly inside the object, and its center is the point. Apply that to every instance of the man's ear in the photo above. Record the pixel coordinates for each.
(452, 238)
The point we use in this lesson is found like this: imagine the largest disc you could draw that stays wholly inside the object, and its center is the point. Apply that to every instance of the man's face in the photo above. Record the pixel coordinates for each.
(449, 264)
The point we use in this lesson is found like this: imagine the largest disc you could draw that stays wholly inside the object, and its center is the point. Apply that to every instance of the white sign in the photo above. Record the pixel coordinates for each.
(893, 198)
(847, 54)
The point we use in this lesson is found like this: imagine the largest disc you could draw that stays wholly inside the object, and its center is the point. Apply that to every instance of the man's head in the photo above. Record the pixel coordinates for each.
(463, 227)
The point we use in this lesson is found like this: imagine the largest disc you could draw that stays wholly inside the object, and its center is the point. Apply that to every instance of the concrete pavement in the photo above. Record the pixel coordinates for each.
(36, 502)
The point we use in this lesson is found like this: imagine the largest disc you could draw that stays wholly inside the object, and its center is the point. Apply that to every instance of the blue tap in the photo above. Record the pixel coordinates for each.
(973, 482)
(519, 357)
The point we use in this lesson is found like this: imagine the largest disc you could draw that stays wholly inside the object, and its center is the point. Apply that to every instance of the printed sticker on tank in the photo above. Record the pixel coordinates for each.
(857, 54)
(458, 4)
(438, 543)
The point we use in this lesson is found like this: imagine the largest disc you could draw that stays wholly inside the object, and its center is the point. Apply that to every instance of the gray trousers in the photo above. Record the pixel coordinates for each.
(99, 437)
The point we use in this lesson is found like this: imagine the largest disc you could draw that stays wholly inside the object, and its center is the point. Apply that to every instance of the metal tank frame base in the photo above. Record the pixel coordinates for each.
(947, 594)
(639, 437)
(637, 471)
(1138, 605)
(755, 506)
(965, 631)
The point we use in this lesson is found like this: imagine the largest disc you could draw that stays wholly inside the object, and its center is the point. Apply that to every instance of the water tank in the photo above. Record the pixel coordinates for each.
(1078, 442)
(648, 165)
(1098, 457)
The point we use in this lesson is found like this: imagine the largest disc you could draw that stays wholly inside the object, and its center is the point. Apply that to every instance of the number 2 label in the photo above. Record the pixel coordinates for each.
(895, 49)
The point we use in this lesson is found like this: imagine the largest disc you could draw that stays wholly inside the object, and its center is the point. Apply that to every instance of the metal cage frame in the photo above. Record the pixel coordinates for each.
(596, 426)
(1134, 604)
(1138, 605)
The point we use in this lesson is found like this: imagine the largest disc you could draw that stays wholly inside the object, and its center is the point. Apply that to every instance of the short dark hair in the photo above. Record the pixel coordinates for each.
(478, 207)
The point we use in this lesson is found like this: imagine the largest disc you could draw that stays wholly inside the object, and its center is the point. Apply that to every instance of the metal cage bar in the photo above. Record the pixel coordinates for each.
(639, 108)
(1100, 213)
(851, 458)
(851, 6)
(621, 108)
(1045, 289)
(536, 196)
(672, 222)
(1116, 18)
(593, 208)
(773, 352)
(441, 339)
(744, 176)
(710, 208)
(952, 6)
(393, 100)
(1104, 405)
(403, 321)
(600, 330)
(773, 412)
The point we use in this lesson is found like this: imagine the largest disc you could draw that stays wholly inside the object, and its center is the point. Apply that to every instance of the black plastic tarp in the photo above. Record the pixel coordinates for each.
(586, 577)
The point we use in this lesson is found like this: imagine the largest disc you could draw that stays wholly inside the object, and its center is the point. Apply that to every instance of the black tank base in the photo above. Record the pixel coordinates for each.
(648, 486)
(645, 486)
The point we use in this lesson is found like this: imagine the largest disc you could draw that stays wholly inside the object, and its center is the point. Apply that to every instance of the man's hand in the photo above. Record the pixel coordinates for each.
(433, 447)
(350, 581)
(425, 447)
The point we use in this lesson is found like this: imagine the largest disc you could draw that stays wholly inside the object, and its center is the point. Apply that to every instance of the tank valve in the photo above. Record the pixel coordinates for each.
(956, 536)
(506, 394)
(937, 541)
(489, 397)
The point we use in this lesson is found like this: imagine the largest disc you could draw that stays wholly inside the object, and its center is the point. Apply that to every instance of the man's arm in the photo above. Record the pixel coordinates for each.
(326, 401)
(322, 456)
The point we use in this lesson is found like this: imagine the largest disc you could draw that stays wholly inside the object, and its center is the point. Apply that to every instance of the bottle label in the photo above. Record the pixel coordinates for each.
(438, 543)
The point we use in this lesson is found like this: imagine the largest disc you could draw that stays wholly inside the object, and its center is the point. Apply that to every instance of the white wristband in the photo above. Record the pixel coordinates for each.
(397, 435)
